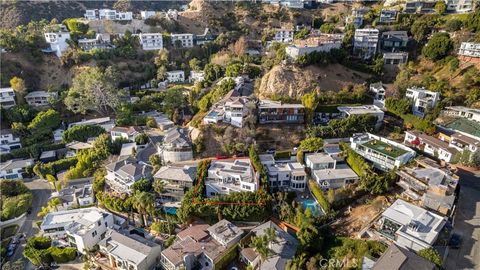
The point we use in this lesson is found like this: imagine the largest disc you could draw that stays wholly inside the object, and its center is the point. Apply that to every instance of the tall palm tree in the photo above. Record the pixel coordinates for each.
(144, 203)
(261, 246)
(158, 186)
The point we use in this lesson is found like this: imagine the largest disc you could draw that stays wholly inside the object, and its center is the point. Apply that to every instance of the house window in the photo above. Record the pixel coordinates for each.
(94, 233)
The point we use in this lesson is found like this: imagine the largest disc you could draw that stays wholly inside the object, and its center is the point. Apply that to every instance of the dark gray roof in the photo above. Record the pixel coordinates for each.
(397, 258)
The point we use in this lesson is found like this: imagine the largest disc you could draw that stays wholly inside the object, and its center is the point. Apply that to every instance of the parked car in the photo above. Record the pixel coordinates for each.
(11, 249)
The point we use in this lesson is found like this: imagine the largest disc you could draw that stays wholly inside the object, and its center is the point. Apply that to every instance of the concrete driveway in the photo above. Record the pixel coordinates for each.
(41, 190)
(467, 224)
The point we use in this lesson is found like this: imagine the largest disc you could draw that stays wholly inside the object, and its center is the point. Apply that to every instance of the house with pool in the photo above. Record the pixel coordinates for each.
(230, 175)
(328, 173)
(284, 174)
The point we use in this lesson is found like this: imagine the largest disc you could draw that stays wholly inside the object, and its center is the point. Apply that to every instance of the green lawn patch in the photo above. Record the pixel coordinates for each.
(385, 148)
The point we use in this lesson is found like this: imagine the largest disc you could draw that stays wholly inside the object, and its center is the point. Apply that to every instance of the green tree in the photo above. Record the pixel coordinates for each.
(94, 90)
(155, 161)
(45, 121)
(431, 255)
(438, 46)
(144, 203)
(440, 7)
(54, 203)
(233, 70)
(142, 185)
(162, 58)
(327, 28)
(310, 102)
(142, 139)
(162, 73)
(194, 64)
(473, 20)
(19, 113)
(311, 144)
(420, 30)
(18, 85)
(158, 186)
(81, 133)
(212, 72)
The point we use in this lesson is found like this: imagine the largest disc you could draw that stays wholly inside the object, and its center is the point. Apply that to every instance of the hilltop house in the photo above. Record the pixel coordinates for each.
(284, 175)
(278, 112)
(314, 43)
(327, 173)
(184, 40)
(422, 100)
(365, 42)
(232, 175)
(176, 146)
(101, 41)
(122, 174)
(151, 41)
(107, 14)
(40, 98)
(57, 36)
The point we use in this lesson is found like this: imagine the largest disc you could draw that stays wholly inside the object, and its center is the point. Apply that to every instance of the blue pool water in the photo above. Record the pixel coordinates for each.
(212, 114)
(313, 206)
(170, 210)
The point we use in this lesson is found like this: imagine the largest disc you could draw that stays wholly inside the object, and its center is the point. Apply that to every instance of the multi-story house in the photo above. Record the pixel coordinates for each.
(315, 43)
(347, 111)
(410, 226)
(284, 175)
(464, 142)
(126, 133)
(422, 99)
(327, 173)
(230, 175)
(175, 76)
(184, 40)
(420, 6)
(383, 153)
(469, 52)
(231, 109)
(151, 41)
(176, 146)
(460, 6)
(202, 245)
(463, 112)
(40, 98)
(395, 58)
(277, 112)
(205, 37)
(283, 248)
(394, 41)
(83, 228)
(9, 141)
(107, 14)
(365, 42)
(356, 18)
(196, 76)
(101, 41)
(127, 250)
(77, 194)
(378, 92)
(145, 14)
(177, 179)
(57, 36)
(283, 35)
(433, 187)
(7, 97)
(14, 169)
(388, 16)
(430, 145)
(105, 122)
(121, 175)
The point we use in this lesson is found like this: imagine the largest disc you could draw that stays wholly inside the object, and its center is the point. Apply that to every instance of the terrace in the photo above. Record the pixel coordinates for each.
(384, 148)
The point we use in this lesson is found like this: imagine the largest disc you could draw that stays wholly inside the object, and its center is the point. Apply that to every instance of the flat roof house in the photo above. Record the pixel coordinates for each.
(314, 43)
(388, 16)
(284, 248)
(423, 100)
(430, 145)
(175, 76)
(233, 175)
(127, 250)
(9, 141)
(101, 41)
(277, 112)
(57, 36)
(284, 175)
(420, 6)
(365, 42)
(327, 173)
(82, 228)
(347, 111)
(75, 195)
(176, 146)
(7, 97)
(385, 154)
(469, 52)
(14, 169)
(410, 226)
(121, 175)
(184, 40)
(177, 180)
(463, 112)
(200, 244)
(40, 98)
(106, 122)
(151, 41)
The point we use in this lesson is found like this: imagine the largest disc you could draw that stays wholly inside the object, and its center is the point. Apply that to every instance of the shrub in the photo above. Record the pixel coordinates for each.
(63, 255)
(163, 227)
(42, 169)
(82, 133)
(142, 139)
(438, 46)
(318, 193)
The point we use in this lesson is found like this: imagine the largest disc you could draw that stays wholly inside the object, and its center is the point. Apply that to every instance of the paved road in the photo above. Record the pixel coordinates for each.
(41, 190)
(467, 224)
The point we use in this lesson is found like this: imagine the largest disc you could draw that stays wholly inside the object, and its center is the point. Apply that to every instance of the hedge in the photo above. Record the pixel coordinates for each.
(283, 154)
(319, 196)
(32, 151)
(42, 169)
(228, 256)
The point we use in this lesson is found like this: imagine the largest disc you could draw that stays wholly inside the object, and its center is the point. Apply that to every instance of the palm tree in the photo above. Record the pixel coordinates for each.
(261, 246)
(158, 186)
(53, 181)
(144, 203)
(54, 203)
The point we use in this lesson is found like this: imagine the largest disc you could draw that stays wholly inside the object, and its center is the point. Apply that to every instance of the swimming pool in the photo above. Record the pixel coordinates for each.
(170, 210)
(313, 206)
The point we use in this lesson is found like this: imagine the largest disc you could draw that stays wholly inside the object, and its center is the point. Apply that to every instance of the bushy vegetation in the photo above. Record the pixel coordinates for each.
(81, 133)
(40, 252)
(42, 169)
(318, 193)
(16, 199)
(342, 128)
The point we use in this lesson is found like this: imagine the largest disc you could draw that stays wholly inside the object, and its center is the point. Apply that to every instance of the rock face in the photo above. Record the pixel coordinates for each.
(294, 82)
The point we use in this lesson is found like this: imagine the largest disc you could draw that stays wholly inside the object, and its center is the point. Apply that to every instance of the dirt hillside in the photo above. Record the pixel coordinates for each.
(294, 82)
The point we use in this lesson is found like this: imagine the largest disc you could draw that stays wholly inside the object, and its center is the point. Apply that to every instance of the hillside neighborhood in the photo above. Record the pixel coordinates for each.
(266, 134)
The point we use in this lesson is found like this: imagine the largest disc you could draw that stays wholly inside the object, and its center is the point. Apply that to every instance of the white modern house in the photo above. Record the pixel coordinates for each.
(316, 43)
(151, 41)
(410, 226)
(230, 175)
(469, 52)
(175, 76)
(127, 133)
(82, 228)
(283, 35)
(14, 169)
(9, 141)
(347, 111)
(422, 99)
(108, 14)
(430, 145)
(184, 40)
(127, 250)
(7, 97)
(40, 98)
(230, 110)
(121, 175)
(196, 76)
(385, 154)
(463, 112)
(327, 173)
(57, 36)
(378, 92)
(460, 6)
(284, 175)
(145, 14)
(176, 146)
(365, 42)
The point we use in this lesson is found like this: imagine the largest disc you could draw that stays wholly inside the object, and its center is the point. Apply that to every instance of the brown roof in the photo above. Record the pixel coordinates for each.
(397, 258)
(466, 139)
(196, 232)
(433, 141)
(249, 254)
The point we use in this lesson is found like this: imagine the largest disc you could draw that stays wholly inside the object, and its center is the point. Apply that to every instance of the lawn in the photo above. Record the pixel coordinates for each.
(9, 231)
(385, 148)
